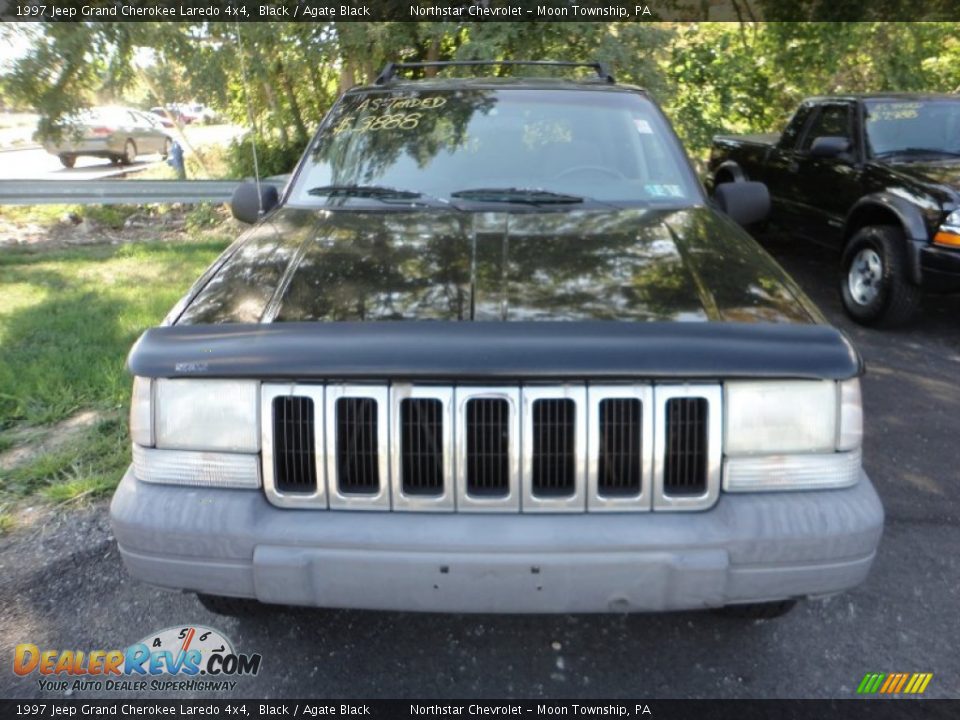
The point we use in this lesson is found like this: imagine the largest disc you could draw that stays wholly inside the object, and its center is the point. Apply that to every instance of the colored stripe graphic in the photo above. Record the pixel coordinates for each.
(894, 683)
(870, 683)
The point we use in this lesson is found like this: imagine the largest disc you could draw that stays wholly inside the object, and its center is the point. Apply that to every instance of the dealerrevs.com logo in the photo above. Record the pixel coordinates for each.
(186, 658)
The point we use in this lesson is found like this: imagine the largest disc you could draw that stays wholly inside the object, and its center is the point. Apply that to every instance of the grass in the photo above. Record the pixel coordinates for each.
(111, 216)
(202, 216)
(67, 321)
(212, 164)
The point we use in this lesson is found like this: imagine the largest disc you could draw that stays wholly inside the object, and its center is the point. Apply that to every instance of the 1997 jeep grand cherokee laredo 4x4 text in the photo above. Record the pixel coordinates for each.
(876, 177)
(493, 350)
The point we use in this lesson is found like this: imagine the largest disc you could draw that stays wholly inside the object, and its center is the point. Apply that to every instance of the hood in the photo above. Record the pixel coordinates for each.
(941, 172)
(621, 264)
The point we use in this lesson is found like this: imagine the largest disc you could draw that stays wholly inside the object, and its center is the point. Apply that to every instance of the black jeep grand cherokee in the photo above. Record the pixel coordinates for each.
(494, 351)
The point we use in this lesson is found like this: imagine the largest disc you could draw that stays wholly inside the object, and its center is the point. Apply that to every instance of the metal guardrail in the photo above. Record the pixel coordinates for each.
(119, 192)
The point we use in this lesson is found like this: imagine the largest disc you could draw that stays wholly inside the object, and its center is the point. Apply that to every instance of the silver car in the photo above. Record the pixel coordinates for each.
(117, 133)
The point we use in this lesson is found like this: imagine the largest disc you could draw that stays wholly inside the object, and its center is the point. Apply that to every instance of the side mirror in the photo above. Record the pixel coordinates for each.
(747, 203)
(246, 202)
(829, 146)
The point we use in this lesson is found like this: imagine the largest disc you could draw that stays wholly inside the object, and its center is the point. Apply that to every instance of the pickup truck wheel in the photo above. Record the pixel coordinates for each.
(874, 284)
(758, 611)
(232, 606)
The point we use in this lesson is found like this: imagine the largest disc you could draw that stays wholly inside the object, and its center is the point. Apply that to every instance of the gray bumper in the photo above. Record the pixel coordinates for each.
(748, 548)
(87, 146)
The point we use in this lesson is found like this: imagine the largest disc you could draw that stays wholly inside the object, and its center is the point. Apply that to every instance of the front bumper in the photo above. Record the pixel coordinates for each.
(941, 269)
(747, 548)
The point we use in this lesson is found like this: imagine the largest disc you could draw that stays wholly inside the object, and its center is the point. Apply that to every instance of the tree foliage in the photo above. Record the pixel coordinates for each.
(281, 78)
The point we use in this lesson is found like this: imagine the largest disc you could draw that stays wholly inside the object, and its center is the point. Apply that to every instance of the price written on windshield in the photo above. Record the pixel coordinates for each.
(375, 123)
(399, 113)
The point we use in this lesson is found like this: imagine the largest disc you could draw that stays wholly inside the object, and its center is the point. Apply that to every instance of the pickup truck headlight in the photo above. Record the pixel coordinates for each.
(196, 432)
(792, 435)
(949, 233)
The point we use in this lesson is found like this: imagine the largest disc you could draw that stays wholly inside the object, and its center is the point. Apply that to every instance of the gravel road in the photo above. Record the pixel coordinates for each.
(62, 585)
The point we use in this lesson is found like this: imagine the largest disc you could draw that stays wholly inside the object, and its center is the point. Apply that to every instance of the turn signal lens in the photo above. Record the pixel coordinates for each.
(949, 233)
(850, 432)
(947, 239)
(141, 412)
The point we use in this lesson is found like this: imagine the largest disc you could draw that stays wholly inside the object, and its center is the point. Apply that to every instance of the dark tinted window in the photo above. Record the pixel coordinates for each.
(832, 121)
(792, 132)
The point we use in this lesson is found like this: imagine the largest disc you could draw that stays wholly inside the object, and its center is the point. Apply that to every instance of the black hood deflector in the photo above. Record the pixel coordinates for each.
(455, 351)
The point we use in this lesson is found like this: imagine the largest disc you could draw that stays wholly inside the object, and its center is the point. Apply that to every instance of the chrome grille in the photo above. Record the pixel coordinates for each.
(685, 464)
(488, 447)
(358, 471)
(554, 452)
(421, 446)
(620, 460)
(294, 460)
(534, 448)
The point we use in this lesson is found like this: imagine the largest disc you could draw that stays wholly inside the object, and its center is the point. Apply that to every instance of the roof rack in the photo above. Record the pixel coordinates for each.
(389, 71)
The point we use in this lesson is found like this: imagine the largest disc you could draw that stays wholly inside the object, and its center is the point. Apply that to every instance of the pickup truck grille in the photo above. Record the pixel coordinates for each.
(534, 448)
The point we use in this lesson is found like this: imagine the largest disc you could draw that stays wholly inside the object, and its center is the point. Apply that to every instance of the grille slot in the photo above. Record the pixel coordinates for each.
(554, 448)
(358, 470)
(619, 462)
(488, 447)
(421, 446)
(685, 461)
(294, 459)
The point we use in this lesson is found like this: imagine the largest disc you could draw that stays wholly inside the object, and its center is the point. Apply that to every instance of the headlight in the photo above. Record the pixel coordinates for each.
(792, 435)
(949, 232)
(207, 415)
(780, 417)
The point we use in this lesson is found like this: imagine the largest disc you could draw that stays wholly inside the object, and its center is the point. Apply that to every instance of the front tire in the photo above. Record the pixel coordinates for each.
(129, 153)
(758, 611)
(232, 606)
(875, 284)
(68, 161)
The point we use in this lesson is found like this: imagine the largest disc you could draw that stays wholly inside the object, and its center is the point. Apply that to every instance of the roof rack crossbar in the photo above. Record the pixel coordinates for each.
(389, 71)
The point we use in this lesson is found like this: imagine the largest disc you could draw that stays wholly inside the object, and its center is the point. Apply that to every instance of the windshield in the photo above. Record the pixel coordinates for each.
(928, 127)
(496, 146)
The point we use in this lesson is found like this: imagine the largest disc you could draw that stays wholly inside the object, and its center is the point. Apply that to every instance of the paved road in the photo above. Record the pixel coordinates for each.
(903, 619)
(37, 164)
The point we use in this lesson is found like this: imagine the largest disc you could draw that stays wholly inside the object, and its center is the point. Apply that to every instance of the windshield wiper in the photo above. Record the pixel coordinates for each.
(525, 196)
(919, 151)
(377, 192)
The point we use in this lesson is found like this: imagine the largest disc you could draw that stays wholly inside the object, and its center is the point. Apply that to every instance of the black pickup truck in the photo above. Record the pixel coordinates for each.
(875, 176)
